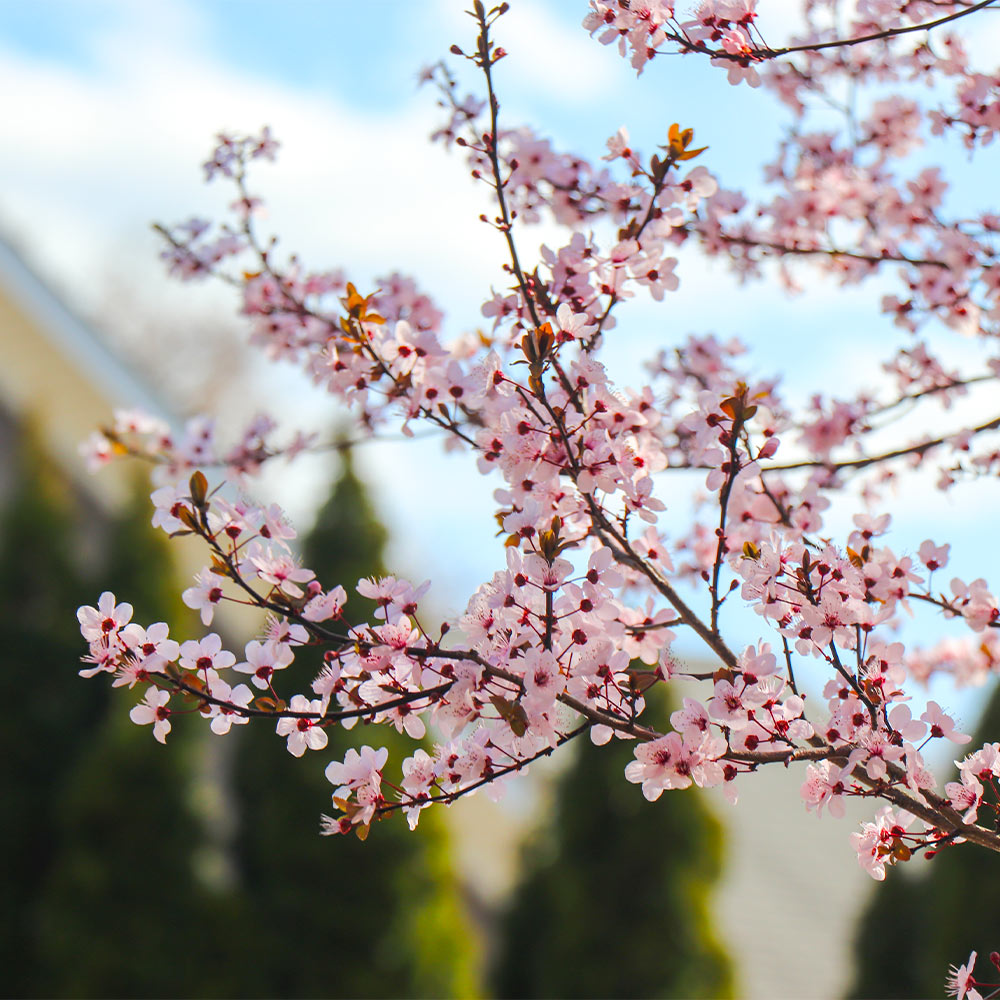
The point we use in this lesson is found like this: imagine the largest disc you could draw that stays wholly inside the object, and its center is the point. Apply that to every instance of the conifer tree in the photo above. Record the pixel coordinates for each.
(41, 585)
(129, 834)
(607, 858)
(333, 916)
(935, 916)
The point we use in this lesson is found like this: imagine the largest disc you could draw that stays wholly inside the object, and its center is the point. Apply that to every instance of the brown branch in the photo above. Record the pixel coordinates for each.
(878, 35)
(761, 54)
(284, 713)
(861, 463)
(720, 546)
(446, 798)
(936, 811)
(784, 248)
(485, 62)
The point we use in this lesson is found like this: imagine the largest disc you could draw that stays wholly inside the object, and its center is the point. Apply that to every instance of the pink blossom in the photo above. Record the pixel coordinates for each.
(827, 784)
(280, 570)
(933, 556)
(303, 733)
(419, 773)
(205, 595)
(942, 725)
(263, 659)
(965, 796)
(225, 716)
(542, 679)
(205, 654)
(360, 774)
(104, 621)
(671, 762)
(959, 979)
(325, 606)
(153, 710)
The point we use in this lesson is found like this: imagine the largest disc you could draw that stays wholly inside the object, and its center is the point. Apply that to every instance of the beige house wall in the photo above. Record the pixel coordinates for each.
(57, 376)
(41, 386)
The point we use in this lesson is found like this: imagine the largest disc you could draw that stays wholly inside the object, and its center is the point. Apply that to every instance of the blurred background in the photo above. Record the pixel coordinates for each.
(136, 871)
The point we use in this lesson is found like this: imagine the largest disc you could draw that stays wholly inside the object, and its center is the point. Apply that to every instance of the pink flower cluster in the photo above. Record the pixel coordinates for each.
(720, 28)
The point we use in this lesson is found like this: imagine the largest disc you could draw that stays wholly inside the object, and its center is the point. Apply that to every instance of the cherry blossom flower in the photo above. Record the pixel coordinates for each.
(942, 725)
(205, 595)
(280, 570)
(224, 717)
(965, 796)
(959, 979)
(419, 773)
(360, 774)
(205, 654)
(153, 710)
(263, 659)
(104, 621)
(303, 734)
(325, 606)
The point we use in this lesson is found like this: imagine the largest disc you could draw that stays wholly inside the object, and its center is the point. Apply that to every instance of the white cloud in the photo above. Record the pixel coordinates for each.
(547, 54)
(101, 150)
(101, 154)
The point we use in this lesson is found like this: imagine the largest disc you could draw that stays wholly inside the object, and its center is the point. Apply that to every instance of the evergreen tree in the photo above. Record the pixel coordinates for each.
(320, 906)
(936, 916)
(123, 911)
(610, 859)
(49, 709)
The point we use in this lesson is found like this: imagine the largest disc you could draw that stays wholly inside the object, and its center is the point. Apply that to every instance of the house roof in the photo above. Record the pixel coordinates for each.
(68, 333)
(59, 374)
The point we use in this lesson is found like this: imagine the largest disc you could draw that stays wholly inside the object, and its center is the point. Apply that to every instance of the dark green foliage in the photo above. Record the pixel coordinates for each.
(928, 915)
(331, 916)
(123, 911)
(98, 829)
(334, 916)
(48, 708)
(614, 901)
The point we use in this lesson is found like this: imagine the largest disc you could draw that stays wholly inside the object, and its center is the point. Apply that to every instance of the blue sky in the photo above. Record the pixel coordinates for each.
(111, 106)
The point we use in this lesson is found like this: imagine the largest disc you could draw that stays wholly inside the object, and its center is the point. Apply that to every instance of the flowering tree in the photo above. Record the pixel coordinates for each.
(543, 653)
